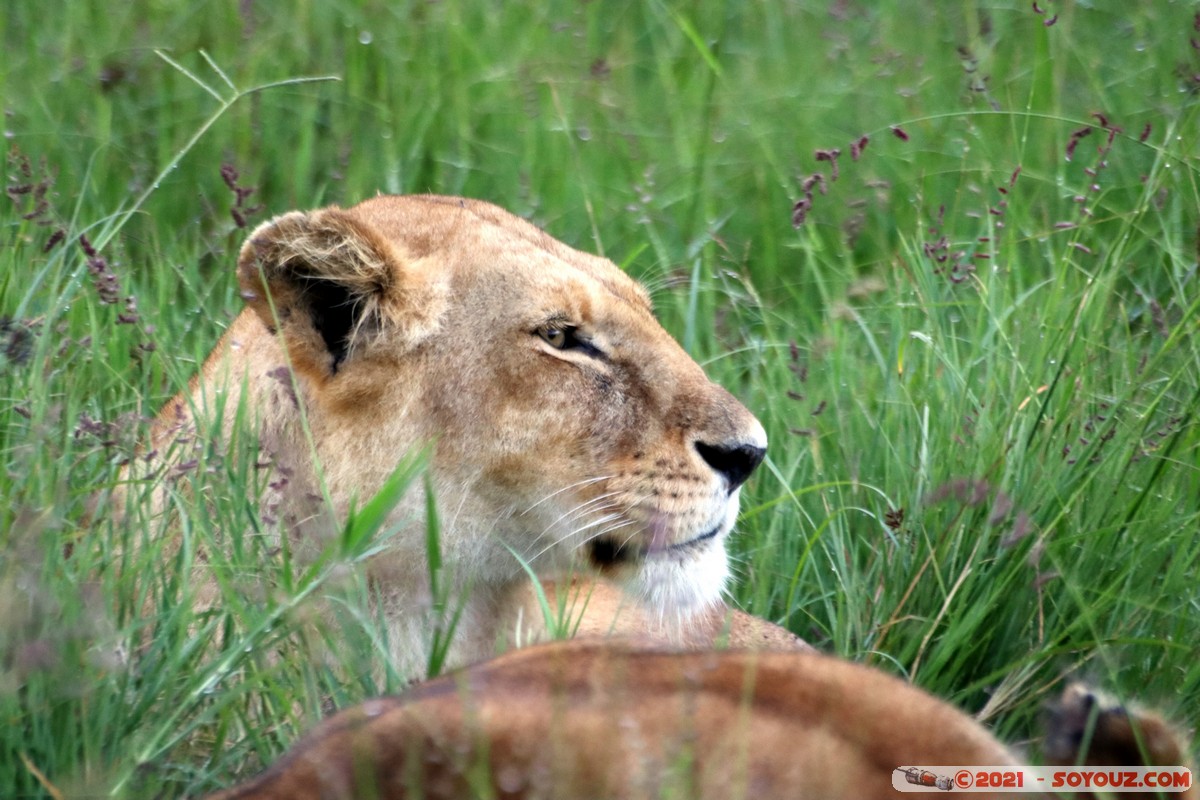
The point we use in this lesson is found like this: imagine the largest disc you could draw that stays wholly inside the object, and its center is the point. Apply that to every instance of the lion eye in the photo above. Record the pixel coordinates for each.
(557, 338)
(561, 336)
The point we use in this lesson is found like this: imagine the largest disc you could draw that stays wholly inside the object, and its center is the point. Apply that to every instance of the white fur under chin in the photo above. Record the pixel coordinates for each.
(682, 586)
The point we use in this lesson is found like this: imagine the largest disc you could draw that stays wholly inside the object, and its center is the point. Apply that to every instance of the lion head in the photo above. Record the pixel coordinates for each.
(566, 425)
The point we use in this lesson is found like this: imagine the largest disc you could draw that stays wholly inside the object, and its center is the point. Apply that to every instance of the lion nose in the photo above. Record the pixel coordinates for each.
(734, 462)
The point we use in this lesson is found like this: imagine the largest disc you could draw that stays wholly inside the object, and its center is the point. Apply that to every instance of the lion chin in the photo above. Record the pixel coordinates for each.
(684, 585)
(568, 430)
(680, 579)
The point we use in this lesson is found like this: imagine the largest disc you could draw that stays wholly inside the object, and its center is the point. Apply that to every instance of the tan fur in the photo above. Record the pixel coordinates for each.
(582, 720)
(408, 321)
(1114, 734)
(597, 609)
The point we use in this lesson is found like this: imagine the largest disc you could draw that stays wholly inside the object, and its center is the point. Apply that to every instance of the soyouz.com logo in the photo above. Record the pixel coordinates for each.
(1037, 779)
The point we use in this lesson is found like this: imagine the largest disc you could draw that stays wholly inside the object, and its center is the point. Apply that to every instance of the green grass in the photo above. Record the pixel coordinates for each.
(982, 478)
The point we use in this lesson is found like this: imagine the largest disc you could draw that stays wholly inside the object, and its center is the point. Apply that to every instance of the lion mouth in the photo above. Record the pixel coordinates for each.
(693, 543)
(607, 553)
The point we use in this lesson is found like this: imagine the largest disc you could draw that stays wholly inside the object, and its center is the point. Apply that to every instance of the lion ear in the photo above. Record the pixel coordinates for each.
(329, 283)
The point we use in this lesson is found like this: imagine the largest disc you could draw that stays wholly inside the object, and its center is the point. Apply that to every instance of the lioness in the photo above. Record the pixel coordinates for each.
(586, 720)
(567, 426)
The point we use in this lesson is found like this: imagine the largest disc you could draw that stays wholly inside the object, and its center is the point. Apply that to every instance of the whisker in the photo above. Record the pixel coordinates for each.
(627, 540)
(604, 520)
(597, 503)
(603, 532)
(574, 512)
(452, 521)
(567, 488)
(610, 529)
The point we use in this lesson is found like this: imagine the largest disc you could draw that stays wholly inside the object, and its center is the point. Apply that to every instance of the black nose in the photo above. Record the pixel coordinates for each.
(734, 462)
